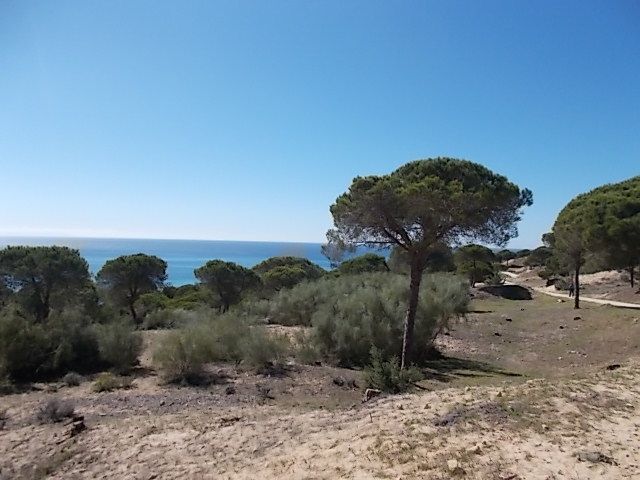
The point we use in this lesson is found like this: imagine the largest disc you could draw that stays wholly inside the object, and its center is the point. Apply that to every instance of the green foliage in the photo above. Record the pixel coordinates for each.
(356, 313)
(283, 277)
(181, 355)
(423, 203)
(369, 262)
(539, 257)
(386, 375)
(55, 410)
(285, 272)
(107, 382)
(438, 258)
(171, 318)
(261, 349)
(476, 262)
(305, 349)
(72, 379)
(119, 345)
(31, 350)
(126, 278)
(43, 278)
(505, 255)
(228, 280)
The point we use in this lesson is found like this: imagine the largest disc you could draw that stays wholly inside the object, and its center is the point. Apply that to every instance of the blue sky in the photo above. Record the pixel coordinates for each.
(242, 120)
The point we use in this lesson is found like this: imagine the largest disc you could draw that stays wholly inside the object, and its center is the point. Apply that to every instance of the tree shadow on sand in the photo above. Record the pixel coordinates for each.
(447, 369)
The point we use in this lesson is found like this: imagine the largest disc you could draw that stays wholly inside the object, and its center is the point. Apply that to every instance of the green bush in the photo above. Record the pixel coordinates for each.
(119, 345)
(181, 355)
(305, 349)
(368, 311)
(260, 349)
(72, 379)
(55, 410)
(387, 376)
(31, 350)
(170, 318)
(107, 381)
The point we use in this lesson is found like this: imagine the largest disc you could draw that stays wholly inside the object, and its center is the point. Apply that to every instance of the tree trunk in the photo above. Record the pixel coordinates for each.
(576, 282)
(631, 274)
(409, 321)
(133, 313)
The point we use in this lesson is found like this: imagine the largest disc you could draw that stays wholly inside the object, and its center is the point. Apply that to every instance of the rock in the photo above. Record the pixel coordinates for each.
(508, 320)
(338, 381)
(595, 457)
(370, 393)
(577, 318)
(497, 334)
(613, 366)
(453, 466)
(560, 300)
(476, 449)
(561, 327)
(230, 390)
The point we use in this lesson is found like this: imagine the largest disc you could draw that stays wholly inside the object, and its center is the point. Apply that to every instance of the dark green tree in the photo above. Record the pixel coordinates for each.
(475, 261)
(423, 203)
(125, 279)
(538, 257)
(505, 256)
(42, 277)
(369, 262)
(439, 258)
(615, 231)
(285, 272)
(228, 280)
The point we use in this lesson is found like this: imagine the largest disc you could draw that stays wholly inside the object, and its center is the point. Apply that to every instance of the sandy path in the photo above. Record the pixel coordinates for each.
(600, 301)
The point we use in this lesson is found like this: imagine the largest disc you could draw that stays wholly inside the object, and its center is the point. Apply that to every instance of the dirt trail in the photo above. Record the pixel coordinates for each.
(548, 291)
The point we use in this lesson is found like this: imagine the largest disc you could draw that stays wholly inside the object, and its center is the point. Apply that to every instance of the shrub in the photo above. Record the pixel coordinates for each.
(368, 311)
(562, 284)
(107, 382)
(119, 345)
(306, 349)
(369, 262)
(170, 318)
(387, 376)
(55, 410)
(181, 355)
(72, 379)
(260, 350)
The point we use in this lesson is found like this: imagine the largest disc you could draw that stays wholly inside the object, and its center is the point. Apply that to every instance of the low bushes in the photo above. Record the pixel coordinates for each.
(55, 410)
(107, 381)
(182, 354)
(67, 341)
(351, 314)
(119, 345)
(386, 375)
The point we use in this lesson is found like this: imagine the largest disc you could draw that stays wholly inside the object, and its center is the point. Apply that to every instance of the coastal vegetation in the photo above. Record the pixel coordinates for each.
(381, 312)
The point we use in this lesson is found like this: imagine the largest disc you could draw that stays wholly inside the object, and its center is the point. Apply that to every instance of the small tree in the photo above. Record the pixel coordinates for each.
(126, 278)
(40, 276)
(505, 256)
(423, 203)
(285, 272)
(229, 280)
(476, 261)
(369, 262)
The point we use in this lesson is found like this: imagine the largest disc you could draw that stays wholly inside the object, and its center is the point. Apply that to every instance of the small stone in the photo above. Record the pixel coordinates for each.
(476, 449)
(561, 327)
(577, 318)
(453, 465)
(508, 320)
(497, 334)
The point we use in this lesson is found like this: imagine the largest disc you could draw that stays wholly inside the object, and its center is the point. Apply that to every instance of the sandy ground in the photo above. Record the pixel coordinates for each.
(539, 429)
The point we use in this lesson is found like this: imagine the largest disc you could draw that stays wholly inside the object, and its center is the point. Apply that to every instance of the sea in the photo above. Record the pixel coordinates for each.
(182, 256)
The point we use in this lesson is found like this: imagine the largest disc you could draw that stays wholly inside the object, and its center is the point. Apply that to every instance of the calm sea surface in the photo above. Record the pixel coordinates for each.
(182, 256)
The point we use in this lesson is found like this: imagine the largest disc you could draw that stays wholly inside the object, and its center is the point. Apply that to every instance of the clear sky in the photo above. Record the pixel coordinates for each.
(243, 120)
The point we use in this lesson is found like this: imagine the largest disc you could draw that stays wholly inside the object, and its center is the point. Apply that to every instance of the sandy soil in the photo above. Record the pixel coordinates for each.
(536, 430)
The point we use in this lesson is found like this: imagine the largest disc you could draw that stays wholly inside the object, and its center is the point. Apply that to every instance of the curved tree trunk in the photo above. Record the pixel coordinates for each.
(410, 319)
(576, 282)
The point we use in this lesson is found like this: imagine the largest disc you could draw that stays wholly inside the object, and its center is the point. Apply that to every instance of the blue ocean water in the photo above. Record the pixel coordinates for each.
(182, 256)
